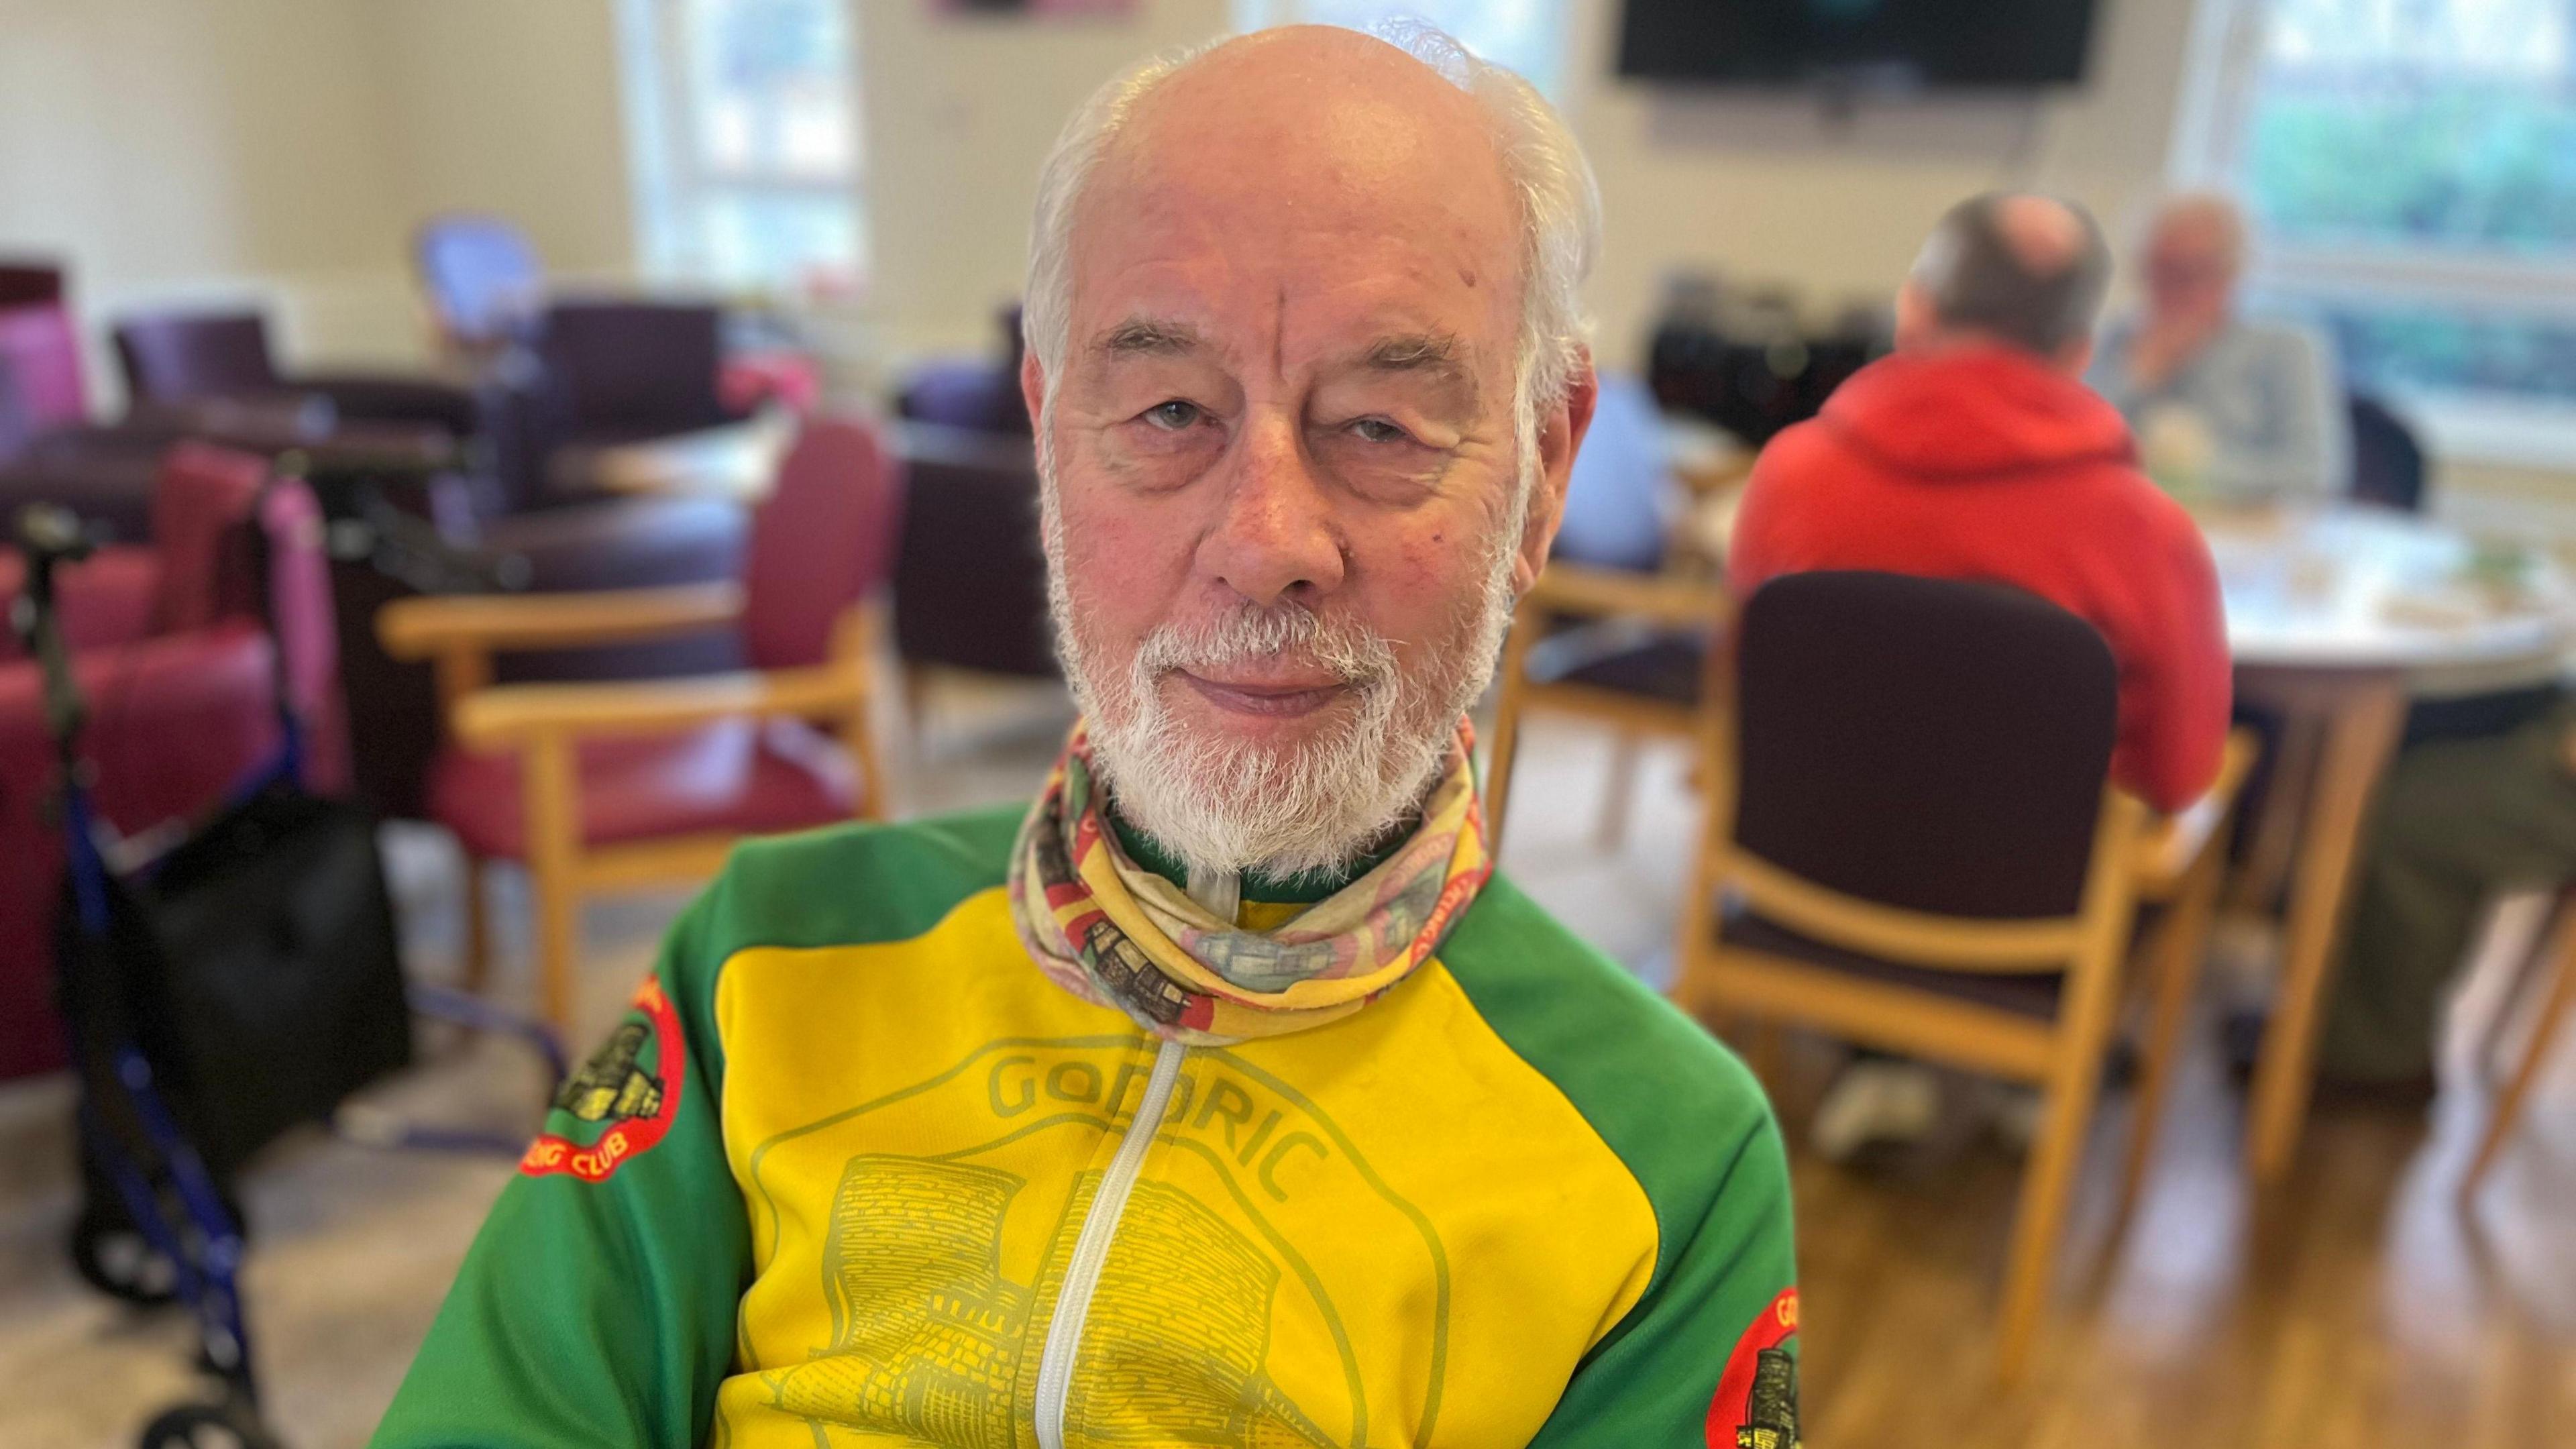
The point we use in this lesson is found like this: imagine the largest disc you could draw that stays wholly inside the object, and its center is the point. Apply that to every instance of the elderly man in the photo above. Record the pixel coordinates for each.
(1974, 453)
(2225, 408)
(1225, 1096)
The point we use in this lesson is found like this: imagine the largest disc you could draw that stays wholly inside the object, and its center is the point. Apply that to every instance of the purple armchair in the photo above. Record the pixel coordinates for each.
(194, 357)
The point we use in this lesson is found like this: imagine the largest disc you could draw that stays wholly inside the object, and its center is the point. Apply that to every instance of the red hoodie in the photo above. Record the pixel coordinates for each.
(1982, 463)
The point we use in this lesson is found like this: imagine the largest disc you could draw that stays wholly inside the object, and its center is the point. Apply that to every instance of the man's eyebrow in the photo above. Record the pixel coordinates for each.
(1143, 337)
(1415, 352)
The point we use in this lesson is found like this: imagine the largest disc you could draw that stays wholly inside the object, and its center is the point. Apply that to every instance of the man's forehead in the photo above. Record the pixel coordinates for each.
(1170, 268)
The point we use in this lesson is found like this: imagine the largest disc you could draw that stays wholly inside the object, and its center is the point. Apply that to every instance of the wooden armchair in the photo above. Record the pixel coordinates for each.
(599, 786)
(1633, 650)
(1910, 846)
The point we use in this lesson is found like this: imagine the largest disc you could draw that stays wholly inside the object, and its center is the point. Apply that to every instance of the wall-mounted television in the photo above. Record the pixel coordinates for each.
(1871, 45)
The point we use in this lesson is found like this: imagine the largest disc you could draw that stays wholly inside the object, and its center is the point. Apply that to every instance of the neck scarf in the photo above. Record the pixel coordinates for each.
(1112, 932)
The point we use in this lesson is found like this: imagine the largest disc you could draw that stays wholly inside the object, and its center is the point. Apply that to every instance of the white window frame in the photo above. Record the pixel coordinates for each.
(671, 180)
(2209, 128)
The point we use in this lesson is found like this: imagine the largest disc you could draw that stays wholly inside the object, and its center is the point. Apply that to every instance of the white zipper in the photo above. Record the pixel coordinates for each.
(1091, 1249)
(1221, 894)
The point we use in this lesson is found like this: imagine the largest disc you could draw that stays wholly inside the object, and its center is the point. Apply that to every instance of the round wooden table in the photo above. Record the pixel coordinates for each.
(2336, 618)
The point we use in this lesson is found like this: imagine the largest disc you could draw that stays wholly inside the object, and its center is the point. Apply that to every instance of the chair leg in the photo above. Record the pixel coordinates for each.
(2047, 1184)
(860, 739)
(2553, 1015)
(553, 844)
(2181, 945)
(1620, 790)
(478, 925)
(2273, 844)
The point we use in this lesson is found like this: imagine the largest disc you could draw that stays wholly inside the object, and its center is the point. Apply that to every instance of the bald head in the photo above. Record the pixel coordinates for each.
(1311, 102)
(2025, 270)
(1314, 126)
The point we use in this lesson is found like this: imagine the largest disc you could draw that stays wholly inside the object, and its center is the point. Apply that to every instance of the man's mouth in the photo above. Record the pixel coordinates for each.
(1267, 694)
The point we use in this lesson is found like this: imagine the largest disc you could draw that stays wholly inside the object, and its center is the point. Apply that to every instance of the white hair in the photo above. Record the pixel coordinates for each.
(1560, 207)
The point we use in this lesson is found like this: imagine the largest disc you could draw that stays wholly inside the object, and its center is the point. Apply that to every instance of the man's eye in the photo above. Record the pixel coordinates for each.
(1175, 415)
(1379, 430)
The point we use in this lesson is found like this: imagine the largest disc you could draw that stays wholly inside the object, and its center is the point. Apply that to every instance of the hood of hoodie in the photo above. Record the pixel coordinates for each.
(1974, 412)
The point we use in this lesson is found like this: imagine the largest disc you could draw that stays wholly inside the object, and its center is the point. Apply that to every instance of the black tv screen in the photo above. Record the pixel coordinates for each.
(1867, 44)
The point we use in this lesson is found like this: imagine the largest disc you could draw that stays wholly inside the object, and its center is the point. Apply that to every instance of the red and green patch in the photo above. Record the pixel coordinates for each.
(621, 1101)
(1757, 1401)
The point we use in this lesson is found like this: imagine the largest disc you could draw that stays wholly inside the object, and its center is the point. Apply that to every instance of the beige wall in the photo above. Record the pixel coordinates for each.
(280, 151)
(959, 113)
(188, 148)
(511, 106)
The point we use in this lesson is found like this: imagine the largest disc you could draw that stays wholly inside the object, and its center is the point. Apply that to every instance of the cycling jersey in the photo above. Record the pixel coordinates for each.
(854, 1172)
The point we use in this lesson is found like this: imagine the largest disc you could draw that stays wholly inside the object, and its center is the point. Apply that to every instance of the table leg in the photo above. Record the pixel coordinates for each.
(2364, 715)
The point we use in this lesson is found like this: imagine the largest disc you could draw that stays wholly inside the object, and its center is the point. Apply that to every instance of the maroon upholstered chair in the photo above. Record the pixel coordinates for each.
(606, 784)
(175, 650)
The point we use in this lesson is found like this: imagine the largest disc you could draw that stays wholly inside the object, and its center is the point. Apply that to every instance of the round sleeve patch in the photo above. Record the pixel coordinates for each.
(1757, 1401)
(621, 1101)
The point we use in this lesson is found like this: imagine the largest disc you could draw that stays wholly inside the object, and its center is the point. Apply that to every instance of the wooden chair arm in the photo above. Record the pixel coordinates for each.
(1614, 593)
(419, 628)
(2166, 852)
(510, 715)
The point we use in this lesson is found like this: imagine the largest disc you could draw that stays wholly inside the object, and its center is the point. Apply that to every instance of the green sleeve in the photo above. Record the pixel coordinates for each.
(1717, 1320)
(1687, 1366)
(597, 1304)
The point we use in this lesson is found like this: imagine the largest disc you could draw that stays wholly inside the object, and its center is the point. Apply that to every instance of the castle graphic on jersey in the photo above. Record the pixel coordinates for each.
(931, 1342)
(612, 1084)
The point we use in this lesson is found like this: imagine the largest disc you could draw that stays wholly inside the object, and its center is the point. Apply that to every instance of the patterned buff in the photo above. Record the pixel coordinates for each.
(1113, 932)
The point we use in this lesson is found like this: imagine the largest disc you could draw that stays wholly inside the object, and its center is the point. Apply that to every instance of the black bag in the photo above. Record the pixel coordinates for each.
(257, 970)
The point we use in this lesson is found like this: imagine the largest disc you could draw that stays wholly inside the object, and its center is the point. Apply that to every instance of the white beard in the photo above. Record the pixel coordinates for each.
(1223, 806)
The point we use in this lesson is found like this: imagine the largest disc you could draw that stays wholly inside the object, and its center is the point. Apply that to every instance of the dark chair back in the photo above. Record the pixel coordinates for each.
(2387, 461)
(1921, 743)
(181, 357)
(821, 542)
(483, 278)
(635, 368)
(969, 573)
(29, 284)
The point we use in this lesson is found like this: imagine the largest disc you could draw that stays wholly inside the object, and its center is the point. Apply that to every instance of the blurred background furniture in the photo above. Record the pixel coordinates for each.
(1746, 360)
(2387, 460)
(176, 646)
(970, 573)
(197, 357)
(604, 785)
(2554, 960)
(2335, 620)
(979, 394)
(1620, 627)
(1910, 846)
(483, 279)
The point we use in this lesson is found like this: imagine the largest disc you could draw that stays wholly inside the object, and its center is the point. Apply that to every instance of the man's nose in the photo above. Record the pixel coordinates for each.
(1275, 541)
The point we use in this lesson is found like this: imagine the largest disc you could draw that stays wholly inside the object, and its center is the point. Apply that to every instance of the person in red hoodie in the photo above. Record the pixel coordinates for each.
(1976, 452)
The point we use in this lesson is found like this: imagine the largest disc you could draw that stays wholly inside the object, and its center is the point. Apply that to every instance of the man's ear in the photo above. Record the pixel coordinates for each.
(1560, 437)
(1915, 319)
(1032, 388)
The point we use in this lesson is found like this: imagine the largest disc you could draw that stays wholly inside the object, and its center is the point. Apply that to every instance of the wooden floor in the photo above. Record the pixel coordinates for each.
(2362, 1307)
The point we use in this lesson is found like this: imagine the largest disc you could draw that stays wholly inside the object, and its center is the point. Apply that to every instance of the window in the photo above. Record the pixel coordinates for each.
(744, 121)
(1526, 35)
(2410, 169)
